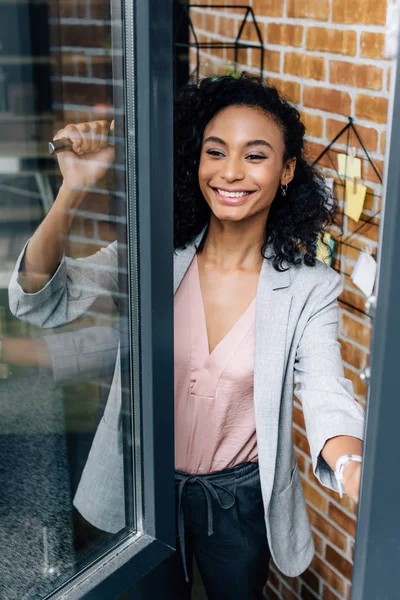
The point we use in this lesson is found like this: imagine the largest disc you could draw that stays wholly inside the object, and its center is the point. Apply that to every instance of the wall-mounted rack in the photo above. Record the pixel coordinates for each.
(340, 181)
(236, 45)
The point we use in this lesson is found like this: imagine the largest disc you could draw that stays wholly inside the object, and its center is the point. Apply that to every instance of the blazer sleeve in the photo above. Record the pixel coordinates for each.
(75, 286)
(326, 395)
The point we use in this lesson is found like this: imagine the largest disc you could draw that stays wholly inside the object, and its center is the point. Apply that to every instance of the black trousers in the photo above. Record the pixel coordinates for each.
(220, 521)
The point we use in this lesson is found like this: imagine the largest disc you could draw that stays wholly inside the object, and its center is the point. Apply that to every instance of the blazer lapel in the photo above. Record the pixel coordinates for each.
(183, 258)
(272, 316)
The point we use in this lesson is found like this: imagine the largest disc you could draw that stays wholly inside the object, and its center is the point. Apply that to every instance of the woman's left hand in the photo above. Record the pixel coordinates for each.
(352, 479)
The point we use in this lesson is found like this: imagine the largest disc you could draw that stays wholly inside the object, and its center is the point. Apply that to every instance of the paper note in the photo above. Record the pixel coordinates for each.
(349, 166)
(364, 273)
(354, 201)
(324, 254)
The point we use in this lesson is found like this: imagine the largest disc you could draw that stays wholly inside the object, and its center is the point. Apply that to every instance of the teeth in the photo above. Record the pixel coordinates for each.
(232, 194)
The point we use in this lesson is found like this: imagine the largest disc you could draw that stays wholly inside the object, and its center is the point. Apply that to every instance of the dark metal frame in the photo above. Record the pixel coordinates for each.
(236, 45)
(377, 549)
(146, 95)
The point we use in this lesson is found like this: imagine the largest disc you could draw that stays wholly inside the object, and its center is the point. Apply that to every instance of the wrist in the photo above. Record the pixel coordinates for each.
(346, 460)
(70, 197)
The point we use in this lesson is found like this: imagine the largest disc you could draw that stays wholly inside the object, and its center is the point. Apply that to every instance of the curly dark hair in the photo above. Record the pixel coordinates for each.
(296, 220)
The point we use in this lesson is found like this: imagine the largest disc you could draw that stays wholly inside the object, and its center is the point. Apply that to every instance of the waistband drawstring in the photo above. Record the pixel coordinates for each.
(210, 490)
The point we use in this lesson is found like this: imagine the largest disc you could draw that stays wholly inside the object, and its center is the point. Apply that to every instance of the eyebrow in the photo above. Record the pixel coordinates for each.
(218, 140)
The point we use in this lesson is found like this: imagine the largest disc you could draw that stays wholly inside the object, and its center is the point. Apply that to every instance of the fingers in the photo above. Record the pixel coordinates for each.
(86, 137)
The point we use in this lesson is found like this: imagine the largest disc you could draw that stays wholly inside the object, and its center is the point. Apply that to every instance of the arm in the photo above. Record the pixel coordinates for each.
(336, 447)
(46, 289)
(81, 168)
(334, 420)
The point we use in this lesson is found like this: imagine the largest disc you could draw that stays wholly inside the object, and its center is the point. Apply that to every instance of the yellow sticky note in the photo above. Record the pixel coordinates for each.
(354, 201)
(324, 254)
(349, 166)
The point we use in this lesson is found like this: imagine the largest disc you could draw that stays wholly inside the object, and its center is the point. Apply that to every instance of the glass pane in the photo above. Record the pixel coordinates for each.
(66, 299)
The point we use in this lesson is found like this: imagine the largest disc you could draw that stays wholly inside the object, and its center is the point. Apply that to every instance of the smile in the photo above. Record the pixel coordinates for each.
(232, 197)
(238, 194)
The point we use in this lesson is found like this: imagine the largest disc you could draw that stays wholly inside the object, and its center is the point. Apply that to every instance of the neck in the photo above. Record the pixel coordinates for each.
(234, 245)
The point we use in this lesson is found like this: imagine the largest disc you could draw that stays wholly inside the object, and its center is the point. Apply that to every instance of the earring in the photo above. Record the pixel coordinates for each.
(284, 188)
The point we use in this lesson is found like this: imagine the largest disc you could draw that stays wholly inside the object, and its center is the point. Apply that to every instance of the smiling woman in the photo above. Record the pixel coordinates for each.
(255, 314)
(238, 136)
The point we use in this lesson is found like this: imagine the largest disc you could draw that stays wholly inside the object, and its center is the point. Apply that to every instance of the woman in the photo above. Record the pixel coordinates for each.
(255, 313)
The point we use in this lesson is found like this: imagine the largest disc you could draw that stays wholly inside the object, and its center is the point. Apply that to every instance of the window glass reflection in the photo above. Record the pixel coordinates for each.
(63, 300)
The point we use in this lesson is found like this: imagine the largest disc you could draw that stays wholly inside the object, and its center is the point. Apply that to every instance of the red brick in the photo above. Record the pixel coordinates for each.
(99, 9)
(313, 124)
(372, 45)
(288, 89)
(339, 562)
(382, 144)
(352, 354)
(368, 12)
(313, 150)
(286, 35)
(368, 172)
(310, 67)
(301, 462)
(307, 594)
(355, 330)
(327, 99)
(311, 580)
(82, 93)
(298, 417)
(337, 41)
(342, 519)
(372, 108)
(368, 135)
(359, 302)
(326, 573)
(101, 67)
(370, 231)
(300, 441)
(328, 531)
(227, 26)
(268, 8)
(87, 36)
(360, 387)
(198, 19)
(272, 60)
(308, 9)
(318, 543)
(314, 497)
(363, 76)
(327, 594)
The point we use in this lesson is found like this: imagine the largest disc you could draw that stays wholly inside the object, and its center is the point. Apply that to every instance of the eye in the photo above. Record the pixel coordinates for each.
(256, 157)
(216, 153)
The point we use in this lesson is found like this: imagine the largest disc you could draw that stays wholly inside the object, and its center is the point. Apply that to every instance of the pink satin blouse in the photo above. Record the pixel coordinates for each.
(214, 412)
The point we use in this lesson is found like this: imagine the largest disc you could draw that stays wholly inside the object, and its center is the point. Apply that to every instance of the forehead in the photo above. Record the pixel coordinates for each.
(243, 122)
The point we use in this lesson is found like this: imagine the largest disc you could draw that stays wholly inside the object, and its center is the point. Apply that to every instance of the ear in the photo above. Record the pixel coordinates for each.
(288, 171)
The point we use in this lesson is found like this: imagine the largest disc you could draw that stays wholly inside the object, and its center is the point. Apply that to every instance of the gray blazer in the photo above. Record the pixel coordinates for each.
(297, 323)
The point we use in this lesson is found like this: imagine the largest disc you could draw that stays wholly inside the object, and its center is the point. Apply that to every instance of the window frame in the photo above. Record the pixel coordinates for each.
(377, 550)
(143, 98)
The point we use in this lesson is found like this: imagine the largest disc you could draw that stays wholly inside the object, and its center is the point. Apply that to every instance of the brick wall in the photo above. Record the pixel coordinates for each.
(83, 91)
(326, 56)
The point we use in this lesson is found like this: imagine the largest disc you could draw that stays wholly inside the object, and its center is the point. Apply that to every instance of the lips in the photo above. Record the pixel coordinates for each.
(232, 196)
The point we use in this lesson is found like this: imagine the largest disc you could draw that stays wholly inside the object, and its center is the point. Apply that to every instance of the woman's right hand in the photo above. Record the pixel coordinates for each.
(90, 157)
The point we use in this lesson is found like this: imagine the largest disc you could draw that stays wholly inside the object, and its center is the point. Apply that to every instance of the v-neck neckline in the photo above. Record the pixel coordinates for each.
(231, 332)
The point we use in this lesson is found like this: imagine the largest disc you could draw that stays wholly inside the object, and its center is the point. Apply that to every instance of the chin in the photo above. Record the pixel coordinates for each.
(229, 213)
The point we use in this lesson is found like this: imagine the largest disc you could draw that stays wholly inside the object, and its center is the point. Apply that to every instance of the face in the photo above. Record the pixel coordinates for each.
(241, 163)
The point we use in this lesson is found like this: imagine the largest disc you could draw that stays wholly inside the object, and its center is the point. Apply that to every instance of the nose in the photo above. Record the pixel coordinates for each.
(233, 169)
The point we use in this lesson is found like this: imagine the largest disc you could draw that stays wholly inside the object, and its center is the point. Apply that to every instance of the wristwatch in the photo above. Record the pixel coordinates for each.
(340, 464)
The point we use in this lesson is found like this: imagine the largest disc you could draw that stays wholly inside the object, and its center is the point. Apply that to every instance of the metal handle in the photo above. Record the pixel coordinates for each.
(66, 144)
